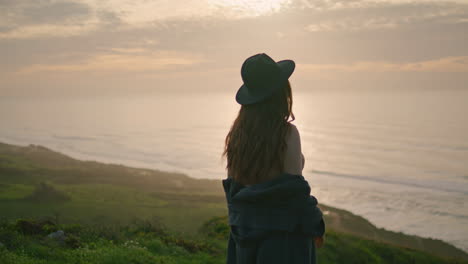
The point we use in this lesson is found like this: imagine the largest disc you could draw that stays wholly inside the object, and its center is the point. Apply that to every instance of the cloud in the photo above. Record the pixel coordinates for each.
(390, 15)
(325, 5)
(122, 60)
(90, 35)
(51, 18)
(444, 65)
(49, 30)
(352, 25)
(46, 18)
(330, 5)
(21, 13)
(140, 13)
(63, 18)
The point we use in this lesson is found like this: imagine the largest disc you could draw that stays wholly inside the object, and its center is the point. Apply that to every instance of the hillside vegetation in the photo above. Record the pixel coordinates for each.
(44, 185)
(27, 241)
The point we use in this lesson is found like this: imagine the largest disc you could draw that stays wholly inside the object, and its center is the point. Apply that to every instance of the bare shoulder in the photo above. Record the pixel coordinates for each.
(293, 134)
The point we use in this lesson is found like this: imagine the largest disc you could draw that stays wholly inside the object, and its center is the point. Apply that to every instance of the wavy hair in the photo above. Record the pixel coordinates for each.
(256, 142)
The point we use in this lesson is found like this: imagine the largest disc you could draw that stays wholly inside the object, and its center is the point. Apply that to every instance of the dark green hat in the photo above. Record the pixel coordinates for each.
(262, 76)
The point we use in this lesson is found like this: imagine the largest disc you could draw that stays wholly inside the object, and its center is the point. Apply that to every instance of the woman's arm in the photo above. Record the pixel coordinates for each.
(303, 160)
(293, 159)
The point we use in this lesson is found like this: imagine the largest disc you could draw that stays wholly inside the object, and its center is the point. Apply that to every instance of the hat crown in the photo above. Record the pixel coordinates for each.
(259, 72)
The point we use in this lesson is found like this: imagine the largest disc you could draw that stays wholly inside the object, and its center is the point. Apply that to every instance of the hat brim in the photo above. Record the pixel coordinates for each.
(243, 96)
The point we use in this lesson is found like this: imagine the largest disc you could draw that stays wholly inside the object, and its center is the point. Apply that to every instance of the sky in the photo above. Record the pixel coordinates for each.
(133, 47)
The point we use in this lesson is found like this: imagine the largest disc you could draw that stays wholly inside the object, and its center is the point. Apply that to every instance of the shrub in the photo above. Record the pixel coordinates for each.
(72, 241)
(216, 227)
(47, 193)
(30, 227)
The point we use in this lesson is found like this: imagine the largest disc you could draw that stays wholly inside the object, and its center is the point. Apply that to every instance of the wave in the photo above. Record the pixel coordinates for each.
(75, 138)
(438, 186)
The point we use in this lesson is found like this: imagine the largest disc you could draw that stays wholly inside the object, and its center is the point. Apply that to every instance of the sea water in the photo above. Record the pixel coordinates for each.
(399, 159)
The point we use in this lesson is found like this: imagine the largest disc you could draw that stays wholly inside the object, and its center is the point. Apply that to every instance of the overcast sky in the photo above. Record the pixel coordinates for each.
(99, 47)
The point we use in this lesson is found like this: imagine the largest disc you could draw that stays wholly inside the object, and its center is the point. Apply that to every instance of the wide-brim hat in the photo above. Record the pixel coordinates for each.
(262, 77)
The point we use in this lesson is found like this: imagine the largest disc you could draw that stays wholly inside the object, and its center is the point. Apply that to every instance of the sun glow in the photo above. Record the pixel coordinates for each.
(246, 8)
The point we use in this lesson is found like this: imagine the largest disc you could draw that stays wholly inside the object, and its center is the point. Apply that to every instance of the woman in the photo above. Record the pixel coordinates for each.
(272, 216)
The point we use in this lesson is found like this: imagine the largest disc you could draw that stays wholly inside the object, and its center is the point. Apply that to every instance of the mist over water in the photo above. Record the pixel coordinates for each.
(400, 159)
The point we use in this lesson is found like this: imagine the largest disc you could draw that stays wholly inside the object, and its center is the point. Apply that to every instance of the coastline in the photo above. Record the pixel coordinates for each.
(43, 159)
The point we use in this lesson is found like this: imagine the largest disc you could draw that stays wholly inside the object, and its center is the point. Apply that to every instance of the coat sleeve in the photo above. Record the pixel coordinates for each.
(312, 222)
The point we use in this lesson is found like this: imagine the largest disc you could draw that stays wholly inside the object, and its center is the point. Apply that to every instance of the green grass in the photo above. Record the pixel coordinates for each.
(141, 242)
(15, 191)
(106, 203)
(345, 248)
(149, 242)
(108, 195)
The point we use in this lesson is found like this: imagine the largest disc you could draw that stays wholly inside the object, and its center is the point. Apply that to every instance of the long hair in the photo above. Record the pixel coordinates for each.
(256, 142)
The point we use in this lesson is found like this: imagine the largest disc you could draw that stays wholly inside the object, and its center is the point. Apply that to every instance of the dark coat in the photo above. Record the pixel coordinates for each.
(272, 222)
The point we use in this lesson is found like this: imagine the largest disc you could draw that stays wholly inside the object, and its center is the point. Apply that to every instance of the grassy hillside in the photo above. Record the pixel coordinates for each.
(38, 183)
(102, 193)
(27, 241)
(346, 222)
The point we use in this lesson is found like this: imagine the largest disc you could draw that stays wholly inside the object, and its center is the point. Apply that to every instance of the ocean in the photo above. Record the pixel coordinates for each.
(399, 159)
